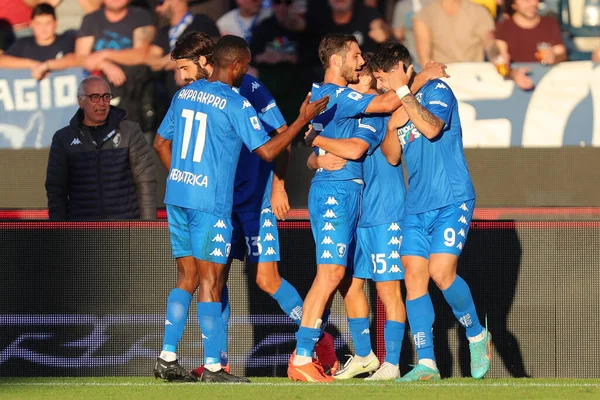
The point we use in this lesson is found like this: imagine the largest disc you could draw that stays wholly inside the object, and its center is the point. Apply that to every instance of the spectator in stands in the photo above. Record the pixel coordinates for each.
(349, 16)
(18, 13)
(114, 41)
(454, 31)
(115, 34)
(275, 51)
(242, 20)
(402, 22)
(528, 37)
(100, 166)
(44, 51)
(181, 21)
(273, 41)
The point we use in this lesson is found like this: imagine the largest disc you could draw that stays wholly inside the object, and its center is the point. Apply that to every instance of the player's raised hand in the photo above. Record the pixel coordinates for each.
(435, 70)
(330, 162)
(310, 110)
(398, 78)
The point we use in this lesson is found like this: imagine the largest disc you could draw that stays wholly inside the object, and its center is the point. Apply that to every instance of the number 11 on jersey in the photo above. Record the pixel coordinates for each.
(190, 116)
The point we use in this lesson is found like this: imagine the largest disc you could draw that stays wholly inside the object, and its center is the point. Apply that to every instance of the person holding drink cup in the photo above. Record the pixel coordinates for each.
(527, 37)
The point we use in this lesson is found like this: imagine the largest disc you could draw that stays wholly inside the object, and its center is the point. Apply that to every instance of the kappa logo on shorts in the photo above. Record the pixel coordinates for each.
(217, 253)
(270, 252)
(220, 224)
(331, 201)
(459, 246)
(328, 227)
(327, 240)
(394, 227)
(329, 214)
(218, 238)
(326, 254)
(227, 249)
(266, 211)
(395, 240)
(463, 220)
(394, 254)
(341, 249)
(394, 269)
(267, 223)
(269, 237)
(464, 207)
(462, 233)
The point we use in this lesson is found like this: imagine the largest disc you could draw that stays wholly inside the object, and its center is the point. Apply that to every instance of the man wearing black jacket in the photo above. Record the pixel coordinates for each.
(100, 165)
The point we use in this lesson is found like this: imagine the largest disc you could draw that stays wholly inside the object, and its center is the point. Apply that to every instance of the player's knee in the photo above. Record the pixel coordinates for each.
(389, 292)
(442, 278)
(268, 283)
(331, 277)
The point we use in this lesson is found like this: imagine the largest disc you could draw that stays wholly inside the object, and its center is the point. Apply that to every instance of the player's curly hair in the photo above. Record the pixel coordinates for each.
(388, 55)
(192, 45)
(334, 43)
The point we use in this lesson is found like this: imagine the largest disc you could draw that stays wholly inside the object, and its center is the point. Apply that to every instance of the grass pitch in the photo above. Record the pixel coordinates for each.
(281, 388)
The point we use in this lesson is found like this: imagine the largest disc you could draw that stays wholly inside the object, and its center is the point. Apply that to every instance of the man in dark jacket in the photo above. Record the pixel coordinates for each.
(100, 165)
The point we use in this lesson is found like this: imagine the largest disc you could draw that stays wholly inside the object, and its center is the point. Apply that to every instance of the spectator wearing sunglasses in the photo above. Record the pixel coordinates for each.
(100, 166)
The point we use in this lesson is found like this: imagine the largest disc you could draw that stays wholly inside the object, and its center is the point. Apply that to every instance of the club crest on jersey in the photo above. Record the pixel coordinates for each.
(341, 249)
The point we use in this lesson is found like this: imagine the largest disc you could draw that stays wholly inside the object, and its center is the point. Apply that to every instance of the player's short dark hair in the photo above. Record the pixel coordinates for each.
(366, 69)
(229, 49)
(334, 43)
(388, 55)
(192, 45)
(43, 9)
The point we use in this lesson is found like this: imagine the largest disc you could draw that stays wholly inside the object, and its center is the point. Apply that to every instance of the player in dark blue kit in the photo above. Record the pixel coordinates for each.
(200, 140)
(439, 208)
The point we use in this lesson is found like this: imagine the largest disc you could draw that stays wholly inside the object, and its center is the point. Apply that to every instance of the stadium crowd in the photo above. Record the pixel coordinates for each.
(129, 41)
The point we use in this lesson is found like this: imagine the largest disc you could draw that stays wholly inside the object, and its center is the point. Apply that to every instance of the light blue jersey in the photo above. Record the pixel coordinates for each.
(385, 191)
(437, 170)
(254, 176)
(341, 120)
(207, 123)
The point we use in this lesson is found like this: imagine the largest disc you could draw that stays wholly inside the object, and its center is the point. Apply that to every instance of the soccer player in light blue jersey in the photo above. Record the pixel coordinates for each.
(258, 197)
(199, 141)
(439, 208)
(334, 196)
(379, 236)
